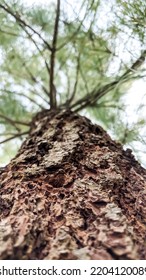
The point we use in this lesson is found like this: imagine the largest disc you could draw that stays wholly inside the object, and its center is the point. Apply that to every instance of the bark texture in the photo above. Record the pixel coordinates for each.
(72, 193)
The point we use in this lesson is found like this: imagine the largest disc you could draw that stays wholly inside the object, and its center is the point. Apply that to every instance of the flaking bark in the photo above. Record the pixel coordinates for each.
(72, 193)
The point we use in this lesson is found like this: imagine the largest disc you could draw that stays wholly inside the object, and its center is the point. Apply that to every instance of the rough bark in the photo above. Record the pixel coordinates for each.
(72, 193)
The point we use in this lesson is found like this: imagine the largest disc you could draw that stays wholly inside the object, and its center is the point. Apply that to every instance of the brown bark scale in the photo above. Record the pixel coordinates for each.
(72, 193)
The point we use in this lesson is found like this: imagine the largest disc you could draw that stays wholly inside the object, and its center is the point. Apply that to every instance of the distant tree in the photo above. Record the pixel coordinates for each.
(71, 192)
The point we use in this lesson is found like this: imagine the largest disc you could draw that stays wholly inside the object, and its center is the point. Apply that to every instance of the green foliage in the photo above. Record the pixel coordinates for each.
(99, 53)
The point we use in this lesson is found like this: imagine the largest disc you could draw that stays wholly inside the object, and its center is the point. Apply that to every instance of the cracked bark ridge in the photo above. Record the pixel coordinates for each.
(72, 193)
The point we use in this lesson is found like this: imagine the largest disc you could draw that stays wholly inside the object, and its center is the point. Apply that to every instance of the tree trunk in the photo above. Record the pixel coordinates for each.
(72, 193)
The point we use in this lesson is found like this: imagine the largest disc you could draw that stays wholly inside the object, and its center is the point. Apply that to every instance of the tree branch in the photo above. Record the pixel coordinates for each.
(52, 59)
(95, 95)
(22, 22)
(23, 25)
(138, 63)
(39, 50)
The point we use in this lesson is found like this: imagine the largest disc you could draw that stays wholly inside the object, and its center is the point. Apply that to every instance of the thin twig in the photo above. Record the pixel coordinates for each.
(11, 33)
(68, 102)
(22, 94)
(68, 84)
(76, 31)
(34, 79)
(40, 95)
(13, 121)
(8, 133)
(52, 59)
(84, 80)
(31, 100)
(14, 136)
(41, 53)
